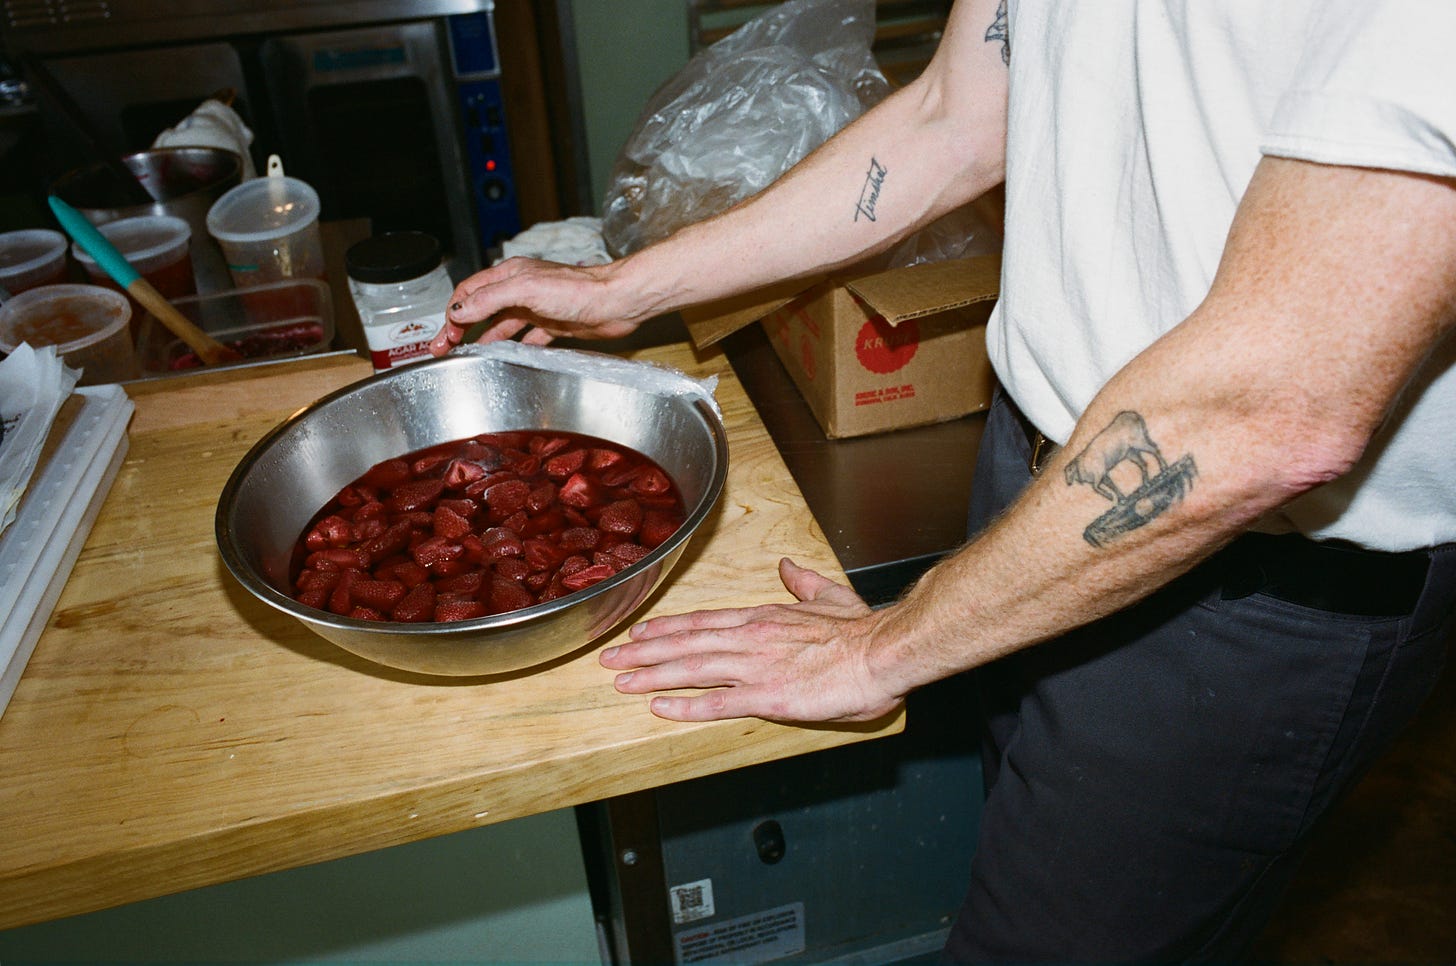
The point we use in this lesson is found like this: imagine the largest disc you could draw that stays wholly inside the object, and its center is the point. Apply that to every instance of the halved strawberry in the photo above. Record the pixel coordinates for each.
(578, 491)
(585, 577)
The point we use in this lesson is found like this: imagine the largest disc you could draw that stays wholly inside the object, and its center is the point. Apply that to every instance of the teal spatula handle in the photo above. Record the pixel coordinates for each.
(94, 243)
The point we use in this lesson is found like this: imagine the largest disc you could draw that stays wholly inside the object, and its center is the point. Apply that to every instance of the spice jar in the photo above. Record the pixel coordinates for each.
(401, 289)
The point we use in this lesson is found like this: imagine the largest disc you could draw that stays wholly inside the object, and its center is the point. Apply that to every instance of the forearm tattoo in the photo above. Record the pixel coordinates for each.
(999, 32)
(869, 195)
(1138, 494)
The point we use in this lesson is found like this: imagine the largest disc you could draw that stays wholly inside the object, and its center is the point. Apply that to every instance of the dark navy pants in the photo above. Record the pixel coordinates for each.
(1152, 778)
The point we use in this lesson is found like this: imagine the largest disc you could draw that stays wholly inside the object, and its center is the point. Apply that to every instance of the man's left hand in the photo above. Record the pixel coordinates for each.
(803, 661)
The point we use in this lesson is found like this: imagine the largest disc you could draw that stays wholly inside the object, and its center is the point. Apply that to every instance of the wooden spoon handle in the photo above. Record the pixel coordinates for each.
(208, 349)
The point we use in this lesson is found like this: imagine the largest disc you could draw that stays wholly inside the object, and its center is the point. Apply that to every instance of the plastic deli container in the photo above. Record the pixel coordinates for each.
(30, 258)
(268, 230)
(87, 324)
(158, 247)
(265, 323)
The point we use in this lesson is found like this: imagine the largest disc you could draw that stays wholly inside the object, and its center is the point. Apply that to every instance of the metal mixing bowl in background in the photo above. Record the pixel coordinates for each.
(184, 181)
(291, 473)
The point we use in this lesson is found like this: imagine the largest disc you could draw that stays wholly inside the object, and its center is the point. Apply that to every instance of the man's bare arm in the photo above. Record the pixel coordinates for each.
(924, 151)
(1335, 284)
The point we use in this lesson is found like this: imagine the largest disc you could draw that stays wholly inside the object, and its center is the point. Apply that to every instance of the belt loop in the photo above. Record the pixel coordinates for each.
(1435, 599)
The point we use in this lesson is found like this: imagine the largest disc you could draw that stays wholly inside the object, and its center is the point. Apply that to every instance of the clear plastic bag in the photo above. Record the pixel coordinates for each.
(740, 114)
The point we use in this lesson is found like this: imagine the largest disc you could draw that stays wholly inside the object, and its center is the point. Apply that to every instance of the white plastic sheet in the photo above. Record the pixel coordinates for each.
(34, 383)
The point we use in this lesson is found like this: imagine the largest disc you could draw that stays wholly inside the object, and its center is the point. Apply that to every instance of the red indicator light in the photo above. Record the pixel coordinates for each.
(490, 165)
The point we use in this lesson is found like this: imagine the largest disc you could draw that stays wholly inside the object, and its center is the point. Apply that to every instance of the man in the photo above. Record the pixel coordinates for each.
(1228, 292)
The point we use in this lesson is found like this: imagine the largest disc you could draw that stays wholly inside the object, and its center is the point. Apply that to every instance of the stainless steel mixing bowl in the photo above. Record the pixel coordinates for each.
(300, 465)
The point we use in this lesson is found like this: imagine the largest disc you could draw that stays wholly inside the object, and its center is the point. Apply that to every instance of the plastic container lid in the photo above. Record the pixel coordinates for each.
(395, 256)
(262, 209)
(30, 252)
(69, 317)
(147, 242)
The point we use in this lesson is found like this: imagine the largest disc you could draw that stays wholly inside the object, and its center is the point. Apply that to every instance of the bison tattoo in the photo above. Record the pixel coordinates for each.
(1126, 440)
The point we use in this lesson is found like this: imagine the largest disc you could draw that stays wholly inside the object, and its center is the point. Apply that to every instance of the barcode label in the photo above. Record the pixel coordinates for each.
(691, 901)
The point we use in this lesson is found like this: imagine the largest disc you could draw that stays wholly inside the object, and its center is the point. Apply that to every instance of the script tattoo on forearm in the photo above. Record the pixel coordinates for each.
(869, 195)
(1125, 447)
(999, 32)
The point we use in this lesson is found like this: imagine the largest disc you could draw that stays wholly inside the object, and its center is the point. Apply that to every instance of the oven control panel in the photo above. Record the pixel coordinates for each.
(482, 112)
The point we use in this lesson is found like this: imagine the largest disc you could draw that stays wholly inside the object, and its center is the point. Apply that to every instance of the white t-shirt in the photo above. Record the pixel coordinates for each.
(1135, 126)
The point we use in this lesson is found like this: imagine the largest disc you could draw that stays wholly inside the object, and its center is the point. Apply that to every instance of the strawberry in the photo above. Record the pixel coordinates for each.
(426, 465)
(577, 539)
(391, 541)
(467, 584)
(585, 577)
(507, 595)
(623, 516)
(366, 529)
(387, 475)
(381, 595)
(543, 446)
(458, 610)
(410, 574)
(501, 542)
(417, 605)
(512, 568)
(461, 473)
(543, 554)
(578, 491)
(601, 459)
(651, 480)
(332, 531)
(629, 553)
(462, 505)
(435, 551)
(657, 526)
(337, 558)
(449, 524)
(542, 495)
(415, 495)
(564, 464)
(508, 496)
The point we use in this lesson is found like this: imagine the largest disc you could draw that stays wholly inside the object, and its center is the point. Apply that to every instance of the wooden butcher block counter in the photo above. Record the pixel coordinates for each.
(171, 731)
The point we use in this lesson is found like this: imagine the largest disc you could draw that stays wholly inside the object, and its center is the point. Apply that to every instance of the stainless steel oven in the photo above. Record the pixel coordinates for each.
(394, 110)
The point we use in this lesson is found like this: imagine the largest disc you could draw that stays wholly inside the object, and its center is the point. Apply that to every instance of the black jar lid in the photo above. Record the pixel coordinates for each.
(395, 256)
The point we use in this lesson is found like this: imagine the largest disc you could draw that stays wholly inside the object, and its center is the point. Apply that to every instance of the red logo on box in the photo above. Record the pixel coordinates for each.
(882, 347)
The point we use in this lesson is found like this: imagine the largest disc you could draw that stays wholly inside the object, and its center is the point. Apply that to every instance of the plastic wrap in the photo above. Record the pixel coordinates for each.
(740, 114)
(645, 376)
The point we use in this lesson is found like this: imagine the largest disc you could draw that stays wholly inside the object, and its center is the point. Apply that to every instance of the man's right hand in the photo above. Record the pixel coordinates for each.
(545, 300)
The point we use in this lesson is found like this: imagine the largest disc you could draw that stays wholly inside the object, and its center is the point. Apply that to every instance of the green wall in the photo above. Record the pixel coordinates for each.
(626, 49)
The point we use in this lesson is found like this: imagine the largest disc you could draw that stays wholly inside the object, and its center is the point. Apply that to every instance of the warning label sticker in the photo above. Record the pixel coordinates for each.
(757, 938)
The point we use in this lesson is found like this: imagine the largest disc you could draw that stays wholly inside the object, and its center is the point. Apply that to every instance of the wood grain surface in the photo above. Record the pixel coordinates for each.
(171, 731)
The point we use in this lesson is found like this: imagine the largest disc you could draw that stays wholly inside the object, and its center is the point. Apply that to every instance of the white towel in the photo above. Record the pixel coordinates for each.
(212, 125)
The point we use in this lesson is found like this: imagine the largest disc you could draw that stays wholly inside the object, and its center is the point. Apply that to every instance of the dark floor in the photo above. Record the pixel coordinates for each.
(1380, 883)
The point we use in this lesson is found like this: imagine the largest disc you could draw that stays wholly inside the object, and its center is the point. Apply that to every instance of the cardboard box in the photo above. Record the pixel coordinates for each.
(876, 351)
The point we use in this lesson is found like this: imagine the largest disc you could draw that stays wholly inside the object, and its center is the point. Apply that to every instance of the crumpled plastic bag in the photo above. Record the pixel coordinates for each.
(740, 114)
(746, 110)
